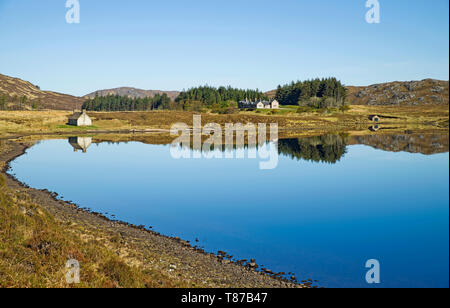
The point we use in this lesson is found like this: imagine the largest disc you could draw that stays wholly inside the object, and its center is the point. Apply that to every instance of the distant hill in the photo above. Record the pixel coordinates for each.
(406, 93)
(15, 89)
(132, 92)
(271, 94)
(409, 93)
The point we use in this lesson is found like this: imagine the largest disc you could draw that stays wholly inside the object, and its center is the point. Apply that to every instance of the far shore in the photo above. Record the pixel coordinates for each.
(17, 123)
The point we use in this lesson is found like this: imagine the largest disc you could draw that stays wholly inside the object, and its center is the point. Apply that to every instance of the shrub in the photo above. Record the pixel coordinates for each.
(305, 109)
(344, 108)
(120, 273)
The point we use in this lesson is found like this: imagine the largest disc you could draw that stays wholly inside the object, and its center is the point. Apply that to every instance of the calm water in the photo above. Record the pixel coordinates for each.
(322, 213)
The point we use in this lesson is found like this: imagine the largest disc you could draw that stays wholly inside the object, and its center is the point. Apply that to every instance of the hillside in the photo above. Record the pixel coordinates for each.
(408, 93)
(132, 92)
(412, 93)
(23, 95)
(20, 94)
(271, 94)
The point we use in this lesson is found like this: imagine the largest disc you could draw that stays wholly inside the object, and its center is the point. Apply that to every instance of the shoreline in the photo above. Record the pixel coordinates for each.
(230, 273)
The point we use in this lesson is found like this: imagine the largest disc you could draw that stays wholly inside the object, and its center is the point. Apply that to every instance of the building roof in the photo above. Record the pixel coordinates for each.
(255, 103)
(77, 114)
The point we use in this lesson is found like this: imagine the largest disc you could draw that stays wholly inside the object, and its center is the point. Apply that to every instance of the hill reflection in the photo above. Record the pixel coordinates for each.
(328, 148)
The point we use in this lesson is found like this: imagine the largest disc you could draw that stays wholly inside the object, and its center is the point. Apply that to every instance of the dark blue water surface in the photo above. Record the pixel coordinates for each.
(320, 219)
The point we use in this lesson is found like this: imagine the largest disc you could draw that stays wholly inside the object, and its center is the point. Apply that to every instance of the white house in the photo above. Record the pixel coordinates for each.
(259, 105)
(80, 119)
(275, 104)
(268, 105)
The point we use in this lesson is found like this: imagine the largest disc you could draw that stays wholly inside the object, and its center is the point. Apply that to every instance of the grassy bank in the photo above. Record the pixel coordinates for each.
(357, 118)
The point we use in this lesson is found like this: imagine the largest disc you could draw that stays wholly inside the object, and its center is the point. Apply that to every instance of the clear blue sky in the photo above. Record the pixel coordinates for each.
(176, 44)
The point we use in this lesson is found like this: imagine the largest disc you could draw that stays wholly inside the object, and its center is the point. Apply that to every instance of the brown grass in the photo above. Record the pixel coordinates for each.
(48, 122)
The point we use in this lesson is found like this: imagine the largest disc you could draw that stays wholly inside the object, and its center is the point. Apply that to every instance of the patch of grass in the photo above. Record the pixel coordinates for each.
(120, 274)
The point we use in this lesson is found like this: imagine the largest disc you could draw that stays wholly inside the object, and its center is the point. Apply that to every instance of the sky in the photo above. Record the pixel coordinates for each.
(178, 44)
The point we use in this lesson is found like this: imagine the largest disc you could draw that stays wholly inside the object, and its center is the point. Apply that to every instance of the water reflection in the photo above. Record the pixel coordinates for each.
(326, 148)
(410, 142)
(80, 143)
(374, 128)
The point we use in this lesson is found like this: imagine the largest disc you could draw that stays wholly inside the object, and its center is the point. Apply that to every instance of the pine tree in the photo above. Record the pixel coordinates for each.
(3, 102)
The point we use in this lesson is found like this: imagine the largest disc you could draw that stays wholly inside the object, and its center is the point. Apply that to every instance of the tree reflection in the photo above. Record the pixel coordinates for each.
(326, 148)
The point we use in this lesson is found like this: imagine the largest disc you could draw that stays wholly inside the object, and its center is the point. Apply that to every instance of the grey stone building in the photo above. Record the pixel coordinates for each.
(80, 119)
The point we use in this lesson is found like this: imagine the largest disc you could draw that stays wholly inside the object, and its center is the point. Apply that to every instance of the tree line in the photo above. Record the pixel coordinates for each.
(316, 93)
(18, 103)
(208, 96)
(219, 100)
(125, 103)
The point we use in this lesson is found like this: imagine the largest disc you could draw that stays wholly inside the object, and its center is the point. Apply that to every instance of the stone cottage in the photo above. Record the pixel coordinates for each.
(80, 119)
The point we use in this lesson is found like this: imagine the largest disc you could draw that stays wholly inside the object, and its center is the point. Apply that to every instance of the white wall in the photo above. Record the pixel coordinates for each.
(84, 120)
